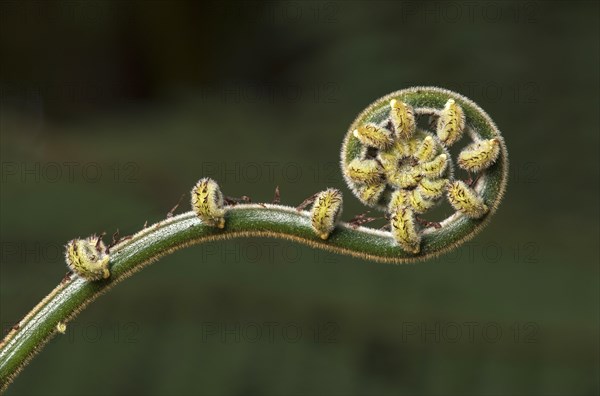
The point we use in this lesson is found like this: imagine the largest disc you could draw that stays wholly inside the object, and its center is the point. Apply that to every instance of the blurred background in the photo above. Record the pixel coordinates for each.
(110, 111)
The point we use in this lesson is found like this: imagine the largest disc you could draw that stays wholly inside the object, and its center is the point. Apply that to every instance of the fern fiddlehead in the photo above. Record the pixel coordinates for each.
(395, 157)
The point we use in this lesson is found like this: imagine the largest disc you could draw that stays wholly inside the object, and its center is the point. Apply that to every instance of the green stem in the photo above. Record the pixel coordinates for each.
(246, 220)
(264, 220)
(132, 254)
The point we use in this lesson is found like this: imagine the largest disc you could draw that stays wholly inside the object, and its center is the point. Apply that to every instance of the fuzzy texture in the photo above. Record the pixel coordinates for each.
(426, 150)
(479, 155)
(409, 165)
(132, 254)
(400, 149)
(465, 200)
(405, 178)
(366, 171)
(404, 230)
(411, 199)
(326, 212)
(432, 188)
(207, 202)
(87, 258)
(370, 193)
(372, 135)
(403, 119)
(451, 123)
(402, 162)
(434, 168)
(389, 160)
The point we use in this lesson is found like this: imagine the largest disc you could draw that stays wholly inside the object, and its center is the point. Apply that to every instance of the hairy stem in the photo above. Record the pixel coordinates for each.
(132, 254)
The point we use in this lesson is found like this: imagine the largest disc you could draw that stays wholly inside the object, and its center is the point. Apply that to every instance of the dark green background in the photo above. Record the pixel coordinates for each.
(167, 92)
